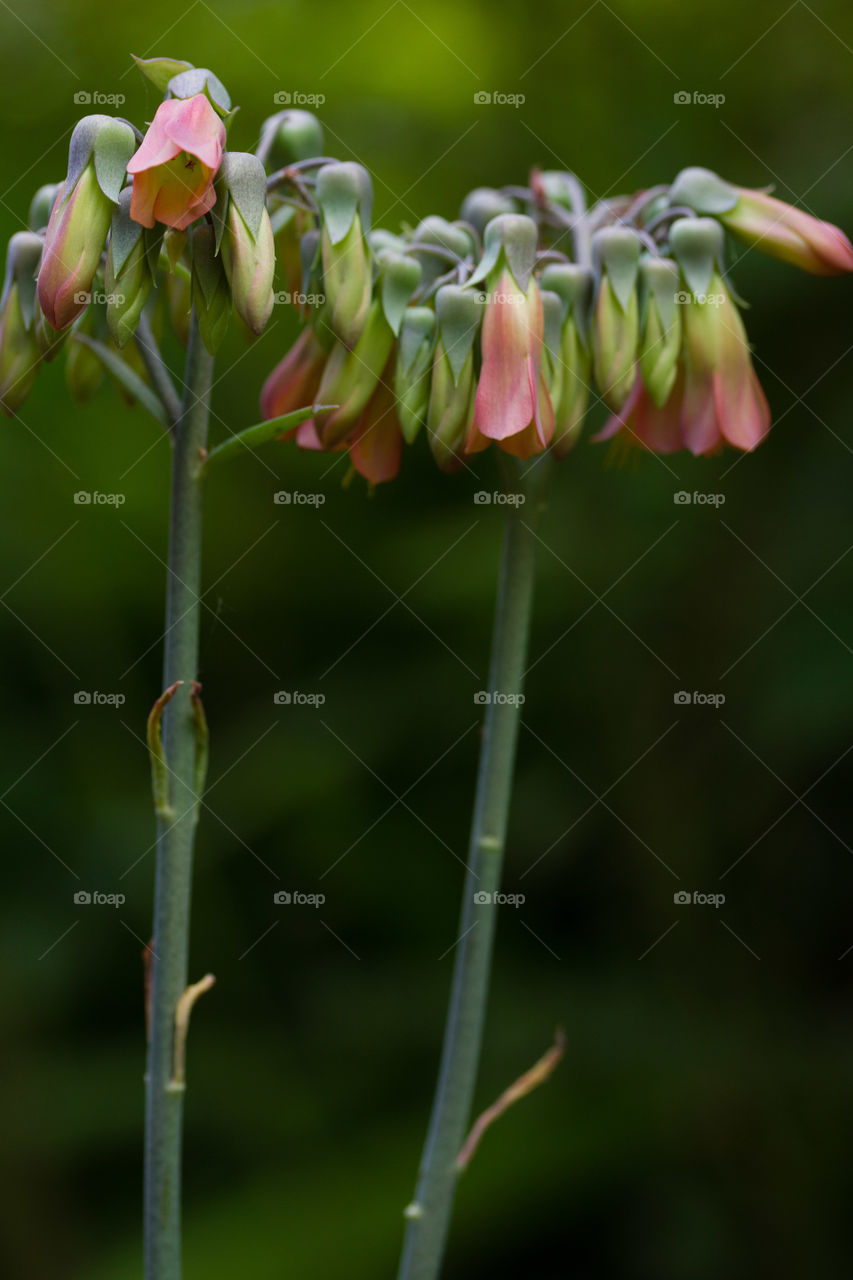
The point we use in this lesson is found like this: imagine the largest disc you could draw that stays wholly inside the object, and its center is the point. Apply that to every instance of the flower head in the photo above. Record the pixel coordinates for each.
(176, 163)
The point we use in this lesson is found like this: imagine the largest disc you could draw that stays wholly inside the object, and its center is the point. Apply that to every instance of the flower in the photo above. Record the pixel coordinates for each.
(74, 241)
(80, 216)
(176, 163)
(780, 230)
(615, 317)
(344, 195)
(717, 398)
(249, 262)
(767, 224)
(294, 382)
(513, 406)
(569, 357)
(376, 448)
(19, 349)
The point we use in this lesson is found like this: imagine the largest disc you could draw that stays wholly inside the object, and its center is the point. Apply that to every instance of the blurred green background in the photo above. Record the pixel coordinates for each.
(698, 1126)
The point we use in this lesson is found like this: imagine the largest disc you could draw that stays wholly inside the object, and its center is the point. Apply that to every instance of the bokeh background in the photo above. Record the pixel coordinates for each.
(699, 1125)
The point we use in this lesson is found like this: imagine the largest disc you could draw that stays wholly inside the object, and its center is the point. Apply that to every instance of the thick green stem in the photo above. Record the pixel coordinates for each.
(176, 822)
(428, 1217)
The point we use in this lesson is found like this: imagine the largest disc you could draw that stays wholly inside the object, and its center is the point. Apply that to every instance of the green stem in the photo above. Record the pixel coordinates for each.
(155, 366)
(428, 1217)
(176, 823)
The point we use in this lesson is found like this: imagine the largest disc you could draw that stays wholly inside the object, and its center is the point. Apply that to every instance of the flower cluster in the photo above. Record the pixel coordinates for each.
(496, 327)
(172, 206)
(500, 325)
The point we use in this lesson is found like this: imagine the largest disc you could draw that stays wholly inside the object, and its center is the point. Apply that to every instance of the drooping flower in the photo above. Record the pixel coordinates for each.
(19, 350)
(295, 380)
(176, 163)
(767, 224)
(717, 398)
(344, 195)
(128, 277)
(512, 406)
(248, 248)
(453, 380)
(571, 361)
(615, 319)
(80, 217)
(376, 448)
(660, 326)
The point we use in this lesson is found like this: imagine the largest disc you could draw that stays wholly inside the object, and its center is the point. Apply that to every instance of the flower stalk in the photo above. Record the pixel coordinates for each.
(177, 815)
(428, 1216)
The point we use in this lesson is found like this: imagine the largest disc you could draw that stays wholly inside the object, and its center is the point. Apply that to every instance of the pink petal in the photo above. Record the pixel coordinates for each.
(505, 402)
(194, 126)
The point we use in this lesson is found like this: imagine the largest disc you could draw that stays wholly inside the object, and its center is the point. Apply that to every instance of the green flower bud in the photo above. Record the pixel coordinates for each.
(400, 276)
(128, 277)
(484, 203)
(702, 190)
(447, 243)
(350, 376)
(174, 244)
(84, 372)
(412, 369)
(347, 282)
(76, 233)
(509, 239)
(244, 236)
(698, 244)
(344, 190)
(552, 317)
(41, 205)
(615, 327)
(289, 136)
(660, 326)
(211, 295)
(559, 187)
(179, 300)
(451, 409)
(19, 353)
(573, 284)
(249, 262)
(459, 312)
(571, 405)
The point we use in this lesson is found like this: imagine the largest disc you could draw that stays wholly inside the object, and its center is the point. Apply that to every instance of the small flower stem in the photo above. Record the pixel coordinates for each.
(176, 823)
(428, 1217)
(156, 369)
